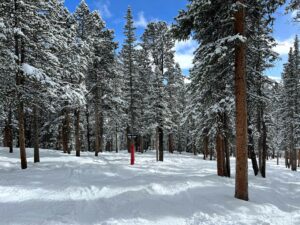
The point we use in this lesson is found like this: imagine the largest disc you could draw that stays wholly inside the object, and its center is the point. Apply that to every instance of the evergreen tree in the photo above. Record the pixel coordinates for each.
(128, 54)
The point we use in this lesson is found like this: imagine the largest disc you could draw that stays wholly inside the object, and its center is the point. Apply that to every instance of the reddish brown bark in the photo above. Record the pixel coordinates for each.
(241, 179)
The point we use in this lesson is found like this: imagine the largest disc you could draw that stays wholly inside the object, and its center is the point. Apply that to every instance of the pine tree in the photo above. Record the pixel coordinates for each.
(157, 39)
(128, 54)
(290, 109)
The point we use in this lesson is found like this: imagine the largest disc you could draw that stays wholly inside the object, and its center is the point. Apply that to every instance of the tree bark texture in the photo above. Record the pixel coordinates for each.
(241, 179)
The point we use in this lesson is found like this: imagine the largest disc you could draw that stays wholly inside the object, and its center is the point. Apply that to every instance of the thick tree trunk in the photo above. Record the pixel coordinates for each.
(160, 144)
(241, 179)
(77, 133)
(36, 135)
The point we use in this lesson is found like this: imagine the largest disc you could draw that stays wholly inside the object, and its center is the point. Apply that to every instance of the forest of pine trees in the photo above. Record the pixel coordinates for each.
(66, 84)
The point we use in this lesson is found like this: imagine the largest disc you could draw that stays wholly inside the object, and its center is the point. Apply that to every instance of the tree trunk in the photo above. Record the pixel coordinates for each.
(116, 137)
(171, 143)
(205, 153)
(211, 152)
(66, 130)
(77, 133)
(220, 155)
(227, 158)
(88, 134)
(11, 133)
(101, 142)
(287, 161)
(157, 144)
(194, 149)
(142, 144)
(128, 139)
(22, 135)
(160, 144)
(36, 135)
(241, 179)
(97, 124)
(264, 149)
(299, 158)
(252, 152)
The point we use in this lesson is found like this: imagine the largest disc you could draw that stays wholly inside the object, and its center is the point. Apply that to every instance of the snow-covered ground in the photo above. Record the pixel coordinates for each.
(184, 189)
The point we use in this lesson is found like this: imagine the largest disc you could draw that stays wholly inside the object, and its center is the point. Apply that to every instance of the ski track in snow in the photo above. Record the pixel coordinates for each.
(182, 190)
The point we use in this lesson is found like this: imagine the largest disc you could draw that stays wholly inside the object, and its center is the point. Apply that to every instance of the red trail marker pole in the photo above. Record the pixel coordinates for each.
(132, 155)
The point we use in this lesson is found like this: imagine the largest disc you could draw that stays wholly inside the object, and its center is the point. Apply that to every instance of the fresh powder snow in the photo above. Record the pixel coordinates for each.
(184, 189)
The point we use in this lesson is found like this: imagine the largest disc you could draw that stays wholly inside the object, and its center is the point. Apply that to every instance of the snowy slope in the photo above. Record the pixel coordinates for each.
(184, 189)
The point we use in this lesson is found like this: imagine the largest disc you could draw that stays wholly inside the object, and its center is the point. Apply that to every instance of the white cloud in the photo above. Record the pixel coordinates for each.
(103, 7)
(141, 21)
(184, 53)
(283, 47)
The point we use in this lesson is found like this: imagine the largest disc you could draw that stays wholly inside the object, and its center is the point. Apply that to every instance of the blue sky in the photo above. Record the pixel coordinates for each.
(113, 12)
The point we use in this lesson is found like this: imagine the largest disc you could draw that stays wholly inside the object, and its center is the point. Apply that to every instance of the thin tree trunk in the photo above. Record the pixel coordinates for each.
(101, 142)
(157, 144)
(19, 83)
(97, 124)
(252, 152)
(116, 137)
(77, 133)
(241, 180)
(160, 144)
(227, 158)
(142, 143)
(11, 133)
(211, 152)
(194, 148)
(88, 134)
(171, 143)
(286, 156)
(36, 135)
(205, 153)
(220, 155)
(65, 130)
(264, 149)
(22, 135)
(128, 139)
(299, 158)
